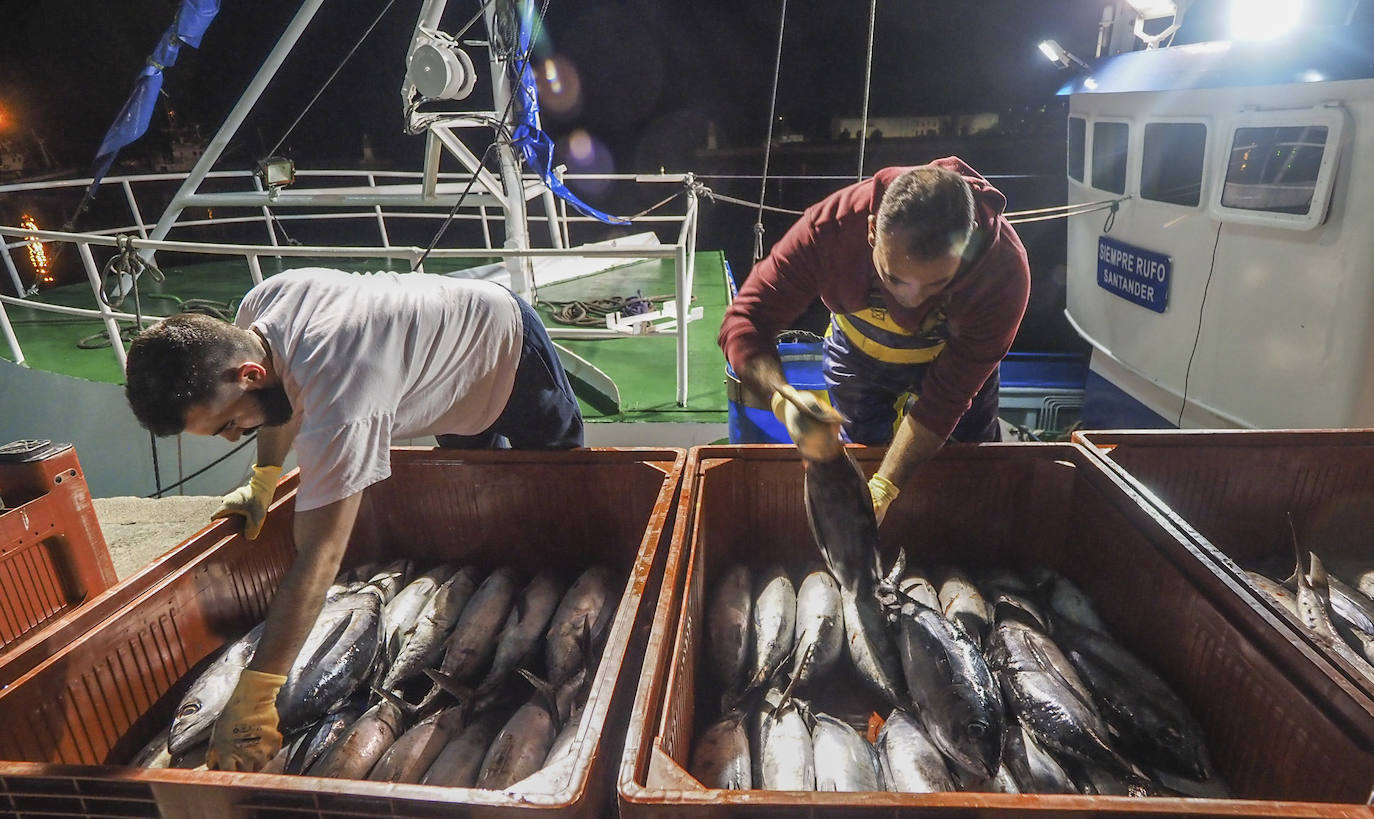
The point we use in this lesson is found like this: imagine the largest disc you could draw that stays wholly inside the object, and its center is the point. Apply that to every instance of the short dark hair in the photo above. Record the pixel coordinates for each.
(179, 362)
(933, 207)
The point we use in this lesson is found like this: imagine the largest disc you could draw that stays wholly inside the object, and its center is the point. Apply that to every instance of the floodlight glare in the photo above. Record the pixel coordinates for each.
(1263, 19)
(1154, 9)
(1058, 54)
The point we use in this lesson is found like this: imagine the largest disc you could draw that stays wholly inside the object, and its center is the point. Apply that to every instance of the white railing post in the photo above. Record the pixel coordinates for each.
(111, 326)
(9, 265)
(254, 269)
(10, 337)
(133, 208)
(381, 220)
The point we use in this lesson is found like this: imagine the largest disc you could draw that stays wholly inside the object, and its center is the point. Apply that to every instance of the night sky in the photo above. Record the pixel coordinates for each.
(652, 72)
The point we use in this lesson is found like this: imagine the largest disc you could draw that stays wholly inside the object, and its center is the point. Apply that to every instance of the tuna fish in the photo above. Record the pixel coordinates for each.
(819, 639)
(1314, 613)
(845, 761)
(956, 698)
(587, 607)
(155, 754)
(207, 696)
(915, 585)
(322, 736)
(721, 756)
(774, 623)
(786, 762)
(458, 764)
(337, 657)
(910, 761)
(399, 615)
(728, 615)
(362, 744)
(523, 742)
(424, 642)
(1044, 692)
(412, 754)
(391, 578)
(1152, 723)
(519, 638)
(1070, 601)
(1033, 768)
(964, 606)
(473, 642)
(1276, 591)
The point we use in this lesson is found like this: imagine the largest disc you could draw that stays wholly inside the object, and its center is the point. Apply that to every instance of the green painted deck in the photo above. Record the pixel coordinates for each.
(643, 367)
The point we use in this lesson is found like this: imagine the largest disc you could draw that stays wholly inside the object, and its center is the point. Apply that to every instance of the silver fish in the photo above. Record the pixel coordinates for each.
(956, 698)
(1276, 591)
(1313, 611)
(819, 640)
(155, 754)
(721, 756)
(728, 615)
(845, 761)
(425, 642)
(391, 578)
(317, 740)
(207, 696)
(915, 585)
(786, 761)
(963, 605)
(910, 761)
(400, 613)
(1034, 769)
(774, 622)
(1070, 601)
(524, 626)
(583, 615)
(473, 642)
(522, 744)
(414, 751)
(337, 657)
(362, 745)
(458, 764)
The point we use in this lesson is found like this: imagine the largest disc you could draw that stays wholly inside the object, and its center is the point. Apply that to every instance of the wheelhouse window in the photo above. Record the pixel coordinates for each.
(1078, 137)
(1171, 162)
(1109, 156)
(1274, 169)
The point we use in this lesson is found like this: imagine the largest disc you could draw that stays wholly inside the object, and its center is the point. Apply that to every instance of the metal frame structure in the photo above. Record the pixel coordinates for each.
(490, 197)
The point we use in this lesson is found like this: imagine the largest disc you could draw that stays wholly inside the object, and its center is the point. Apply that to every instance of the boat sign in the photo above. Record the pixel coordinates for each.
(1137, 275)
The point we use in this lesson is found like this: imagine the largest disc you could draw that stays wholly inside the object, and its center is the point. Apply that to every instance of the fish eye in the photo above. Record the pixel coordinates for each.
(977, 729)
(189, 709)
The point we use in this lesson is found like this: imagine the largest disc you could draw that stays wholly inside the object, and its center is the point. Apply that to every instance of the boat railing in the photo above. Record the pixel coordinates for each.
(133, 235)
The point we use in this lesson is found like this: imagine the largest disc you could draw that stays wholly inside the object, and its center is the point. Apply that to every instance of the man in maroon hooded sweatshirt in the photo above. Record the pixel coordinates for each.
(926, 282)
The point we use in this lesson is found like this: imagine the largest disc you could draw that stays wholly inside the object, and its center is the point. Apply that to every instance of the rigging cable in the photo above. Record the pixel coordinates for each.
(868, 74)
(1183, 405)
(221, 459)
(768, 143)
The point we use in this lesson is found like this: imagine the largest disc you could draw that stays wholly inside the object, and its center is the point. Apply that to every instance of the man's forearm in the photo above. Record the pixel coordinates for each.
(321, 539)
(763, 374)
(912, 446)
(274, 443)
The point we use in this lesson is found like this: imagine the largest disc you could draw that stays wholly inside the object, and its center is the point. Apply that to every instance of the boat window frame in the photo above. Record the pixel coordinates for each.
(1131, 156)
(1082, 178)
(1336, 119)
(1204, 181)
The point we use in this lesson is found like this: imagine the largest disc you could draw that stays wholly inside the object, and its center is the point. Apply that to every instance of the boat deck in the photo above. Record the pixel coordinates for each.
(642, 367)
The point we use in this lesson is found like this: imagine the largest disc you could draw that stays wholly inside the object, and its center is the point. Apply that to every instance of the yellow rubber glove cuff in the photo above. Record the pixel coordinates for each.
(245, 736)
(813, 427)
(251, 500)
(884, 492)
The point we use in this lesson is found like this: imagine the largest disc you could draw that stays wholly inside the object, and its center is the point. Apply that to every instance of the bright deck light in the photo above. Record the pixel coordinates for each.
(1263, 19)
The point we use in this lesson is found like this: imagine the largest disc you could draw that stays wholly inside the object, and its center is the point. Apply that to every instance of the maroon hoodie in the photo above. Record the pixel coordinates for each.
(826, 254)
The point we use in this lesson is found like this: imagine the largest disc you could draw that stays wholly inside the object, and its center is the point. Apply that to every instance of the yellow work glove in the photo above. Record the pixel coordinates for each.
(245, 736)
(884, 492)
(251, 500)
(814, 427)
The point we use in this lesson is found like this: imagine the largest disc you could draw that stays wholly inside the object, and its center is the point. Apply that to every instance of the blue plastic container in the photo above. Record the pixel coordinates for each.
(751, 419)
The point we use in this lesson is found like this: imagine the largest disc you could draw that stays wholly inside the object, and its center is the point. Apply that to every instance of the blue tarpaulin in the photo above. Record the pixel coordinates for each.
(535, 146)
(187, 28)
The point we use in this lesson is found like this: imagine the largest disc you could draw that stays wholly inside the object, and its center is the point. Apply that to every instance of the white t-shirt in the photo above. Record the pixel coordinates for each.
(368, 357)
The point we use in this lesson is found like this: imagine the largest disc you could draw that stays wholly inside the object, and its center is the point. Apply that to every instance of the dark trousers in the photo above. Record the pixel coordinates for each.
(542, 412)
(868, 394)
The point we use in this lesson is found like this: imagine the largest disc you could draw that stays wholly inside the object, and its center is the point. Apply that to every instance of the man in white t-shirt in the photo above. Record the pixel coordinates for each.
(338, 365)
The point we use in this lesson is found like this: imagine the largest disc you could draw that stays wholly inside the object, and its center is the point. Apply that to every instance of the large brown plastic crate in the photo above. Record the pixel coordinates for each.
(52, 555)
(1232, 491)
(1290, 737)
(104, 696)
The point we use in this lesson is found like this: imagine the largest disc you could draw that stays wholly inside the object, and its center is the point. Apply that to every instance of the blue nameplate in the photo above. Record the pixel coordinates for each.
(1140, 276)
